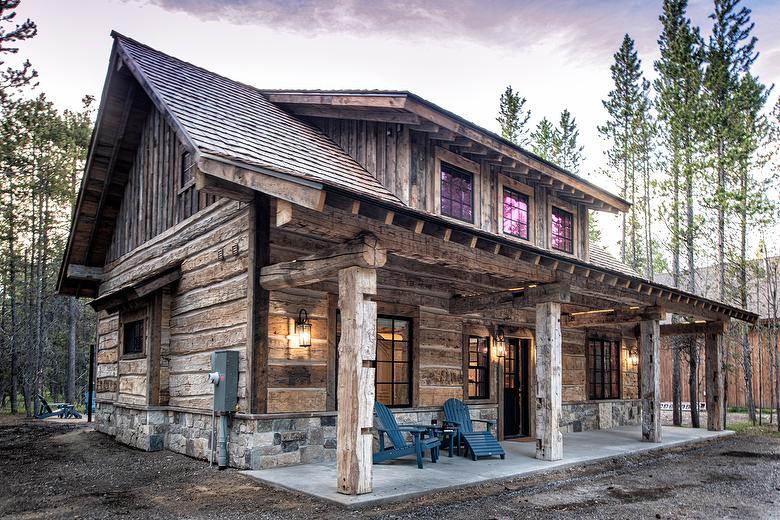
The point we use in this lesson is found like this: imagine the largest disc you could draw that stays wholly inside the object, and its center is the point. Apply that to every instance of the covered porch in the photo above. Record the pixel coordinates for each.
(402, 480)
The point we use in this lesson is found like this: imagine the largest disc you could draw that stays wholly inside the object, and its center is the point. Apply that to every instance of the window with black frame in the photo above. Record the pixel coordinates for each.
(133, 337)
(515, 214)
(479, 367)
(562, 230)
(393, 363)
(604, 366)
(457, 193)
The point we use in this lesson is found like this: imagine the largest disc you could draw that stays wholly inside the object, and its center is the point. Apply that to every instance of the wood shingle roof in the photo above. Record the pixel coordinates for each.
(231, 120)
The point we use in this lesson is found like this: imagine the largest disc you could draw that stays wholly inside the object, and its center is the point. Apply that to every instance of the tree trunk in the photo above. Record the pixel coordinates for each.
(693, 380)
(70, 388)
(676, 383)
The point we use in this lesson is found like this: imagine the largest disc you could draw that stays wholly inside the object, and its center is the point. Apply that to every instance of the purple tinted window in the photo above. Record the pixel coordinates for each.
(561, 230)
(456, 193)
(515, 214)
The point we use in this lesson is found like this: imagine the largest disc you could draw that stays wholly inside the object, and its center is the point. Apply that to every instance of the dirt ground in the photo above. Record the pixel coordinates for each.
(55, 469)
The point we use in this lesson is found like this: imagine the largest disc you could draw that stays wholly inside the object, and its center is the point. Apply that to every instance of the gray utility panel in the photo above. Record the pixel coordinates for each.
(225, 362)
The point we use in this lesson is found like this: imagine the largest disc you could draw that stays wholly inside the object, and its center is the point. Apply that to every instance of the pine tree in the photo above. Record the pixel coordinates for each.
(567, 151)
(513, 117)
(678, 103)
(542, 140)
(623, 105)
(729, 56)
(11, 78)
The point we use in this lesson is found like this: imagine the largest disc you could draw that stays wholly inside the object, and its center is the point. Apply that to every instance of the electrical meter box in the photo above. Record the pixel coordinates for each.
(225, 363)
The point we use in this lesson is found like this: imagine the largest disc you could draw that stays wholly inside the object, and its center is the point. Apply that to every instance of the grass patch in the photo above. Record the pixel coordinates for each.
(759, 430)
(743, 409)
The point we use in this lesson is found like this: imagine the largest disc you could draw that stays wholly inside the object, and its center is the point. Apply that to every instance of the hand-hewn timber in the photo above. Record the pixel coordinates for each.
(525, 297)
(650, 359)
(612, 316)
(693, 329)
(363, 251)
(549, 439)
(356, 381)
(257, 304)
(85, 272)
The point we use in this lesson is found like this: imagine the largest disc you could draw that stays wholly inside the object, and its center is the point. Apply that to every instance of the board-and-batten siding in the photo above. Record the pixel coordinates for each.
(208, 310)
(404, 161)
(154, 199)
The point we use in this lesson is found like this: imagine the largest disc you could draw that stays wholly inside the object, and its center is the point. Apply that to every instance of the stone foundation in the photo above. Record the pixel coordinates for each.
(256, 441)
(600, 415)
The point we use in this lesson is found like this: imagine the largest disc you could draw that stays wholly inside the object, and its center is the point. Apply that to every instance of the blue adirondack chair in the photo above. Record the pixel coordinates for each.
(387, 425)
(61, 410)
(478, 443)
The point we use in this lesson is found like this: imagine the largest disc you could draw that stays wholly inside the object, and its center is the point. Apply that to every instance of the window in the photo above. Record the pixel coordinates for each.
(604, 365)
(457, 193)
(515, 214)
(133, 337)
(186, 169)
(479, 363)
(393, 372)
(562, 230)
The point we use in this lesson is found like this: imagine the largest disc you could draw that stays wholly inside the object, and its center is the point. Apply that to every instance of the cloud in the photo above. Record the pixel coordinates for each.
(593, 25)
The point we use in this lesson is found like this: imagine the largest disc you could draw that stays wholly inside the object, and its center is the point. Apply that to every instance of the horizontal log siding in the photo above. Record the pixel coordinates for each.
(153, 199)
(574, 367)
(440, 357)
(107, 356)
(297, 376)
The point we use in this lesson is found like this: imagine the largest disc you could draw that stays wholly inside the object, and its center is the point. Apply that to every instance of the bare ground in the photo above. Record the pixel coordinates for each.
(59, 469)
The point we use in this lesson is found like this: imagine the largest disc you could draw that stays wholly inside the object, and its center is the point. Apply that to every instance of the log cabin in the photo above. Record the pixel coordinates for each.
(352, 247)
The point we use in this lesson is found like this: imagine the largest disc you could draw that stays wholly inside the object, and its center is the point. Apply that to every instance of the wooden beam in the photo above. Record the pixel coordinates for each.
(650, 359)
(354, 428)
(221, 188)
(85, 272)
(611, 316)
(713, 351)
(257, 304)
(363, 251)
(303, 193)
(284, 212)
(516, 298)
(115, 300)
(549, 440)
(692, 329)
(332, 112)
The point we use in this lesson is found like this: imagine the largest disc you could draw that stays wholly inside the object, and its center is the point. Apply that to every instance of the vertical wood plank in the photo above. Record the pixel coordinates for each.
(332, 357)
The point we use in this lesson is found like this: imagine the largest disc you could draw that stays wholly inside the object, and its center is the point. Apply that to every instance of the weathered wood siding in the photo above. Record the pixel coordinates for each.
(206, 311)
(440, 358)
(404, 161)
(574, 367)
(297, 376)
(154, 199)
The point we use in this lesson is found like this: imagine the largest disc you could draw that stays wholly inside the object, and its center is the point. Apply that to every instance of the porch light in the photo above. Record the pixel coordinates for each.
(633, 356)
(303, 329)
(499, 346)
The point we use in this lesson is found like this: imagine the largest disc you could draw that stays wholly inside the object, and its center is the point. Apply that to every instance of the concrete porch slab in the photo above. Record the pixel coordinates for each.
(401, 479)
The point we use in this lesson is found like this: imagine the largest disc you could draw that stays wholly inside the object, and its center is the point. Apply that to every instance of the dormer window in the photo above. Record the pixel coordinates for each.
(561, 230)
(457, 193)
(515, 214)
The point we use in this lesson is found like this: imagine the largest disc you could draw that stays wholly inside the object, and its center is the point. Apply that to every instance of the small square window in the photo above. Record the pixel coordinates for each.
(561, 235)
(133, 337)
(515, 214)
(457, 193)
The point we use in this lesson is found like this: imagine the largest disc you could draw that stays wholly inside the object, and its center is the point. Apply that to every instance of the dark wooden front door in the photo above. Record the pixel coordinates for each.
(516, 413)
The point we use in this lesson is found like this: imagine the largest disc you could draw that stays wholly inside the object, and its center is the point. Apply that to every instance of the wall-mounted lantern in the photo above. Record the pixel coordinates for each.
(303, 329)
(633, 355)
(499, 345)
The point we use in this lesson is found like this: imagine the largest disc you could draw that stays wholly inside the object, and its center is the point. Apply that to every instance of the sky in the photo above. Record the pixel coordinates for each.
(459, 54)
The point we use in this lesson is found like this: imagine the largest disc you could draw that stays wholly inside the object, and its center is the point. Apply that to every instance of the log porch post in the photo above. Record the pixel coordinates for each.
(713, 351)
(549, 440)
(357, 358)
(650, 342)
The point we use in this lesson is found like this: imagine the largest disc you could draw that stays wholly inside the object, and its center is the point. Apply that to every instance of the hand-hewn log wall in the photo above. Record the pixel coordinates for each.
(154, 199)
(440, 357)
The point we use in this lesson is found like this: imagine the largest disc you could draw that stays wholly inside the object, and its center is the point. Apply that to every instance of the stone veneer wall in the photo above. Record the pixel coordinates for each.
(600, 415)
(256, 442)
